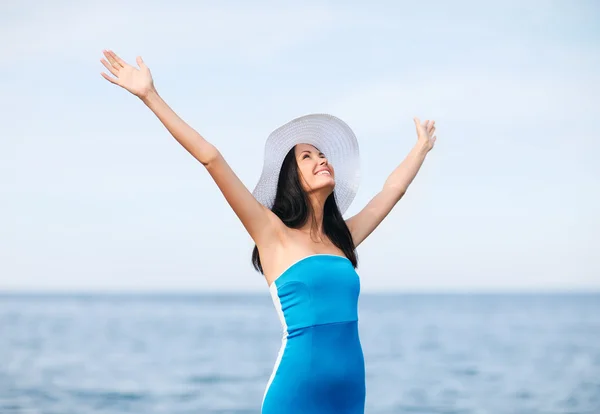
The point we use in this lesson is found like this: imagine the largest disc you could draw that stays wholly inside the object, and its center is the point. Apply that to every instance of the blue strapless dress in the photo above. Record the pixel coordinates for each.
(320, 366)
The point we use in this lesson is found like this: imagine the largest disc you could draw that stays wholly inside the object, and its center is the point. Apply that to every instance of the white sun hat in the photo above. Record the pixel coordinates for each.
(332, 136)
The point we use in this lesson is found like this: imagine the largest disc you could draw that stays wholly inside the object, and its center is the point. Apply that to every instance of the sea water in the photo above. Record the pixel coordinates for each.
(214, 353)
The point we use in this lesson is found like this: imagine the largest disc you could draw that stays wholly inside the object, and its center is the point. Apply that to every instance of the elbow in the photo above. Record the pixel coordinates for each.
(398, 196)
(395, 192)
(209, 156)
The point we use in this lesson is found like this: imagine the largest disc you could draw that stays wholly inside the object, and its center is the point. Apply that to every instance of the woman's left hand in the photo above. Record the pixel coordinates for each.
(425, 132)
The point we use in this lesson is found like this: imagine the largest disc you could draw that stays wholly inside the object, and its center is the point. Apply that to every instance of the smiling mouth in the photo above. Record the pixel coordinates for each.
(324, 172)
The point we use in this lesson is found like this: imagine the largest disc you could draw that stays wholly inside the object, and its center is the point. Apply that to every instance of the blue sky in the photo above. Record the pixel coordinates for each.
(96, 195)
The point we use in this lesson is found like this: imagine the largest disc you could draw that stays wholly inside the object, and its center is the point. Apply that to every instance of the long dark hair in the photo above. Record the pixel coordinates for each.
(293, 207)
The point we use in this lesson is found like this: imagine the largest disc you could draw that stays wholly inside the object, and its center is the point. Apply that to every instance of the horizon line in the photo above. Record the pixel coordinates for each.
(253, 292)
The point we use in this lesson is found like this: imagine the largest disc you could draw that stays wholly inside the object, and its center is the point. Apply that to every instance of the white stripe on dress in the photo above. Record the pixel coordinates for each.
(279, 309)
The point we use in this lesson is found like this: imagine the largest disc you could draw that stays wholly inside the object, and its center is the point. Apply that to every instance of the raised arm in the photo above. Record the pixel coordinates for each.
(363, 223)
(260, 222)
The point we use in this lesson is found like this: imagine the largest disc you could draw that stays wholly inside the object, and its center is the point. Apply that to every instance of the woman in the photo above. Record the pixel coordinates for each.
(304, 248)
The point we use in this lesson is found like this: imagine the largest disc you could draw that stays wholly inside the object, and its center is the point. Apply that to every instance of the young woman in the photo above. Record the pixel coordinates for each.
(304, 248)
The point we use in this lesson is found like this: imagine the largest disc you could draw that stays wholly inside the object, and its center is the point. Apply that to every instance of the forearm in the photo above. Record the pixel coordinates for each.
(404, 174)
(189, 138)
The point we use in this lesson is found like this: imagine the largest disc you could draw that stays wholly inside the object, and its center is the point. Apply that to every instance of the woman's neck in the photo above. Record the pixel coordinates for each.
(314, 222)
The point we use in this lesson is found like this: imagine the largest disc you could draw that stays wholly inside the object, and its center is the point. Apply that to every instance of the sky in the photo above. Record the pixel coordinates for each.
(97, 196)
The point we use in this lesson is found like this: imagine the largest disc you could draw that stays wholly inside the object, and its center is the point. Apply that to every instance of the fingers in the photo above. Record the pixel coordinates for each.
(108, 78)
(115, 60)
(429, 125)
(110, 67)
(108, 57)
(417, 122)
(140, 62)
(118, 59)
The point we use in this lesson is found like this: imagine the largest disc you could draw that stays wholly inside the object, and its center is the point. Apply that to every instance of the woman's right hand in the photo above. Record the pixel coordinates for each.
(137, 81)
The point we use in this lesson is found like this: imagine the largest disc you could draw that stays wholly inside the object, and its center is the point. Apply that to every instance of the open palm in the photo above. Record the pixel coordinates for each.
(425, 133)
(137, 81)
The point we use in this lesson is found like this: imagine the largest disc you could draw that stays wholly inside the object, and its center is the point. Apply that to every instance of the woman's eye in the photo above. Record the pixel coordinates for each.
(305, 156)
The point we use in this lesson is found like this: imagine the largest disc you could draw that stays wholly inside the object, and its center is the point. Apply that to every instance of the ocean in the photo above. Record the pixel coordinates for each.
(214, 353)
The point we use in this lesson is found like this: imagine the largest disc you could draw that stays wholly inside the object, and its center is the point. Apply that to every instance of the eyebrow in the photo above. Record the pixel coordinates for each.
(309, 151)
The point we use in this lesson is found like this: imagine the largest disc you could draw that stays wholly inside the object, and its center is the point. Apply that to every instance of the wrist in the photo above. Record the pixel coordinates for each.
(422, 148)
(149, 96)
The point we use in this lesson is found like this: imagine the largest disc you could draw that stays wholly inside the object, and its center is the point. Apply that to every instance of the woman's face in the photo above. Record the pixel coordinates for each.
(315, 172)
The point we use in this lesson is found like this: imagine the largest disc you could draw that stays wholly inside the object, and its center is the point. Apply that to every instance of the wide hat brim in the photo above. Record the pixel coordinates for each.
(332, 136)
